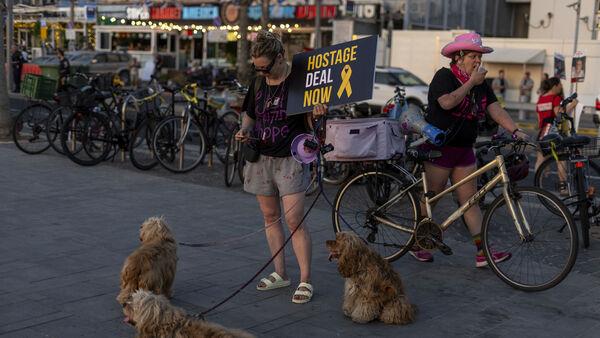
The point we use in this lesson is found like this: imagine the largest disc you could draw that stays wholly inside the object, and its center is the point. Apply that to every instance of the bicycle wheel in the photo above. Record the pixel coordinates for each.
(86, 138)
(141, 152)
(354, 209)
(29, 129)
(231, 160)
(54, 126)
(335, 172)
(549, 176)
(584, 205)
(222, 138)
(179, 147)
(546, 254)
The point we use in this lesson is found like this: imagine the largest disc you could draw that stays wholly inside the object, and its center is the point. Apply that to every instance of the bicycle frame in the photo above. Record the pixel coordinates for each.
(502, 177)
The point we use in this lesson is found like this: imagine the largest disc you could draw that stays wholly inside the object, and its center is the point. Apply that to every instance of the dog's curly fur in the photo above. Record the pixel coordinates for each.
(154, 317)
(151, 266)
(373, 290)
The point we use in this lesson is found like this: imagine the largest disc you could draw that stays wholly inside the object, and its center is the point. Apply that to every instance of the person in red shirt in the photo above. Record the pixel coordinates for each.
(547, 108)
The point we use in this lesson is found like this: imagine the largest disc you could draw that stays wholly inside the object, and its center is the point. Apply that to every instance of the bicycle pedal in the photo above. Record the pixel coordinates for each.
(445, 249)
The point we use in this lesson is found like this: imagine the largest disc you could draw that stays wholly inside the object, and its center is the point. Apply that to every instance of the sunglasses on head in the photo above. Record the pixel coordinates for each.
(267, 69)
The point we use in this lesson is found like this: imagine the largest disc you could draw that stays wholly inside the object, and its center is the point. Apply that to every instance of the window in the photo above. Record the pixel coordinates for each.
(113, 58)
(124, 57)
(385, 78)
(162, 42)
(100, 58)
(104, 41)
(132, 41)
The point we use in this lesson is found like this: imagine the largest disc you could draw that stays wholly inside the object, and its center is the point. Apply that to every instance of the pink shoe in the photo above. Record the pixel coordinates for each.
(422, 255)
(481, 261)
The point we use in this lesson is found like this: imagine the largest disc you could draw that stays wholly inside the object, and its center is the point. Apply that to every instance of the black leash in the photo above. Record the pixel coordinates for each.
(203, 313)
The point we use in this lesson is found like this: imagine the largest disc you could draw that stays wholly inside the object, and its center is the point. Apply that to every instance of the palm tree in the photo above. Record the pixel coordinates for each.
(4, 100)
(264, 19)
(243, 68)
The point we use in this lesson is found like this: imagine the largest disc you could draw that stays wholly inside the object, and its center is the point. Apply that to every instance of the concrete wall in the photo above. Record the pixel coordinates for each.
(419, 52)
(562, 25)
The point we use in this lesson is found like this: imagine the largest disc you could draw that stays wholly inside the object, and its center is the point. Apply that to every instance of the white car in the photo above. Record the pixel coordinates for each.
(386, 81)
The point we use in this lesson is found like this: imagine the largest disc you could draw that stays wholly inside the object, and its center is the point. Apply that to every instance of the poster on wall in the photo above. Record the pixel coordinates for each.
(559, 66)
(578, 67)
(334, 75)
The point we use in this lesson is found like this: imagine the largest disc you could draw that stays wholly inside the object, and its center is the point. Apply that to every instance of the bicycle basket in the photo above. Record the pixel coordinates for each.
(517, 166)
(592, 149)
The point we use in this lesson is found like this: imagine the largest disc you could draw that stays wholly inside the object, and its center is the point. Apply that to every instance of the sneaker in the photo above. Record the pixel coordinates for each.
(422, 255)
(498, 257)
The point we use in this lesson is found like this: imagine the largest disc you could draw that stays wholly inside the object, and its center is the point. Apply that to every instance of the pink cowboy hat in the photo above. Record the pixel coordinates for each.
(469, 41)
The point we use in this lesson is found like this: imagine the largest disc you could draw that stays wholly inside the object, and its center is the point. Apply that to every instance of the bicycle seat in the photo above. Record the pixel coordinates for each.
(423, 155)
(575, 141)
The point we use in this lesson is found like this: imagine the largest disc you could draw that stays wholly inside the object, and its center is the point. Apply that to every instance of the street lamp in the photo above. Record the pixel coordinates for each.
(577, 7)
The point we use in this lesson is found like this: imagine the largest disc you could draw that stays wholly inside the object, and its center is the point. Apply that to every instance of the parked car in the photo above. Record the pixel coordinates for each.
(386, 81)
(93, 62)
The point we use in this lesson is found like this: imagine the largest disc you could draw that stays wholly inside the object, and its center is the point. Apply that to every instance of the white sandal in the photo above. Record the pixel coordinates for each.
(308, 294)
(270, 285)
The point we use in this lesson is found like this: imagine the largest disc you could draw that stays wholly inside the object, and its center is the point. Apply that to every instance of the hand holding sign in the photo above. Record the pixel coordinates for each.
(334, 75)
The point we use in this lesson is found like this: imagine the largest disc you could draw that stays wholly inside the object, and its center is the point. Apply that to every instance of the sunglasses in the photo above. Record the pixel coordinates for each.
(267, 69)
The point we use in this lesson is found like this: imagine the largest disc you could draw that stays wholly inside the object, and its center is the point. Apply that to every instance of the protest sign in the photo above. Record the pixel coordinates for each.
(559, 66)
(333, 75)
(578, 67)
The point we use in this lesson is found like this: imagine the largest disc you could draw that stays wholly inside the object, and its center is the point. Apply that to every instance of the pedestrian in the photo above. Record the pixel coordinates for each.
(499, 87)
(24, 54)
(17, 66)
(548, 108)
(158, 65)
(458, 98)
(525, 88)
(278, 181)
(64, 69)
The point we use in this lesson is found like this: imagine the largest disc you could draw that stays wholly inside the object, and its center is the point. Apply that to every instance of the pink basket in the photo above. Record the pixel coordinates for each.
(363, 139)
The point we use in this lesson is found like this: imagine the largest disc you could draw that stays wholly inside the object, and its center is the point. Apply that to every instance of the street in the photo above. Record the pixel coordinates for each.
(67, 230)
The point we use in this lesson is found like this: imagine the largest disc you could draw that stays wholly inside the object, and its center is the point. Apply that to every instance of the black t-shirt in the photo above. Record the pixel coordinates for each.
(64, 67)
(274, 129)
(460, 122)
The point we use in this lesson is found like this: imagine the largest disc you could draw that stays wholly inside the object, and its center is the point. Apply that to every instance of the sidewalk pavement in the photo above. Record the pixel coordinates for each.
(66, 231)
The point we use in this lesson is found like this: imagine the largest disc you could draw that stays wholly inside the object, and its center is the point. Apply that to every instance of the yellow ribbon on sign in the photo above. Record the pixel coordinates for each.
(346, 73)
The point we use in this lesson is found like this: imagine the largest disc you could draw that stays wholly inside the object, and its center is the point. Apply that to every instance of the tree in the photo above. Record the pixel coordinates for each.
(243, 68)
(264, 18)
(5, 122)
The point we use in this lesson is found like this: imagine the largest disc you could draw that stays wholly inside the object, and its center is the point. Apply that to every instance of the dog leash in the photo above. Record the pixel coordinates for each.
(203, 313)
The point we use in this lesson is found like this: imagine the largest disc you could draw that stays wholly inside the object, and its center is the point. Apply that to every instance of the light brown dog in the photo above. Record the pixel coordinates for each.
(153, 316)
(373, 290)
(151, 266)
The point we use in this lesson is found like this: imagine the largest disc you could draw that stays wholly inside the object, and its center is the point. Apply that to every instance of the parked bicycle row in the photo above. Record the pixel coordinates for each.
(92, 120)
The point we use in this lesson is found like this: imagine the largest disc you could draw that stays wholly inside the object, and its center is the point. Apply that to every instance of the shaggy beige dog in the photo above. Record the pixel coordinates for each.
(151, 266)
(153, 316)
(373, 290)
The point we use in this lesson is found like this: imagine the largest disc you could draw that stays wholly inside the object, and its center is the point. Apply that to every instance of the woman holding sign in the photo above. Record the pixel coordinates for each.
(458, 98)
(271, 173)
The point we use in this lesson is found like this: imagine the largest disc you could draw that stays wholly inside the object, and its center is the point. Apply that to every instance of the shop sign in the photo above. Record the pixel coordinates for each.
(275, 12)
(217, 36)
(230, 13)
(362, 11)
(310, 12)
(333, 75)
(165, 13)
(200, 13)
(90, 13)
(138, 13)
(70, 34)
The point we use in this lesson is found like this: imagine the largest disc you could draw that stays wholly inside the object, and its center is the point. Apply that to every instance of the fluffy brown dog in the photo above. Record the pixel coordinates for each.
(151, 266)
(153, 316)
(373, 290)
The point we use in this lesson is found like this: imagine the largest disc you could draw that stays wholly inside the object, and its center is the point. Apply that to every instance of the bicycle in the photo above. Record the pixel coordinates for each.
(383, 208)
(181, 141)
(566, 172)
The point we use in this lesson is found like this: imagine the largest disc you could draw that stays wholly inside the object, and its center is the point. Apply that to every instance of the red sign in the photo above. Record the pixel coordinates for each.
(165, 13)
(310, 12)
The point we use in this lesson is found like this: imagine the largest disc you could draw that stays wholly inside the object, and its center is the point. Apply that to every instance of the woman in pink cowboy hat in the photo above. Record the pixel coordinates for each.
(458, 98)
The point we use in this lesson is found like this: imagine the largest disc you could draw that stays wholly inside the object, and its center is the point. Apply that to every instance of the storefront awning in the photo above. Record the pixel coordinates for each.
(516, 56)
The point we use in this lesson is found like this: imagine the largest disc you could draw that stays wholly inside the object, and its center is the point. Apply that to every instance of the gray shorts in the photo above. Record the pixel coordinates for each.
(272, 176)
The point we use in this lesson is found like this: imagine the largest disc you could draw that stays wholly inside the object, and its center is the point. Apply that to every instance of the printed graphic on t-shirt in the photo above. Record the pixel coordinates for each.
(271, 124)
(544, 106)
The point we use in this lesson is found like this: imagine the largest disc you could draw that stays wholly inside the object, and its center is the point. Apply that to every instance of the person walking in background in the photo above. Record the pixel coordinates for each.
(17, 65)
(134, 72)
(525, 88)
(499, 88)
(64, 69)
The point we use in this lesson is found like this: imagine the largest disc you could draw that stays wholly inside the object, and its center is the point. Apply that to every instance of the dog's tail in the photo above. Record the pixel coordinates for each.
(399, 312)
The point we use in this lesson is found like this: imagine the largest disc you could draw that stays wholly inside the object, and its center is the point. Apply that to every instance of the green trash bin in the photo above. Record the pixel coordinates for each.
(38, 87)
(50, 71)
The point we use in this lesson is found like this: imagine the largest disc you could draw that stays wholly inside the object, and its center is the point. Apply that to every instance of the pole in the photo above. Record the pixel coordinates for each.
(71, 44)
(5, 120)
(318, 24)
(577, 11)
(9, 41)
